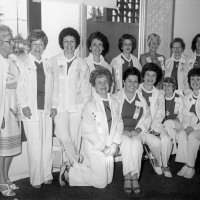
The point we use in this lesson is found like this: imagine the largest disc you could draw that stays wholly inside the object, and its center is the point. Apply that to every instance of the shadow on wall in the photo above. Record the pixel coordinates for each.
(113, 31)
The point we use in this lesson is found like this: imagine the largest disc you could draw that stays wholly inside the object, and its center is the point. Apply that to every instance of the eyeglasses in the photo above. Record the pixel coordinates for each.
(9, 41)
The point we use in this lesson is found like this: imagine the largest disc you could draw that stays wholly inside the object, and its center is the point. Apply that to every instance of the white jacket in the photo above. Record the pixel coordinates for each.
(72, 87)
(27, 86)
(145, 121)
(90, 63)
(116, 64)
(183, 69)
(95, 131)
(192, 59)
(157, 108)
(189, 118)
(3, 74)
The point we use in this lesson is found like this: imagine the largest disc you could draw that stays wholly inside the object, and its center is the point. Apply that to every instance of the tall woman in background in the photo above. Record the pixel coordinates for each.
(10, 138)
(177, 66)
(153, 42)
(126, 44)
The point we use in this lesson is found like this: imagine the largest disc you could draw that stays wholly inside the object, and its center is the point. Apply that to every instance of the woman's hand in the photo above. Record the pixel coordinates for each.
(189, 129)
(27, 112)
(53, 112)
(3, 123)
(108, 151)
(127, 133)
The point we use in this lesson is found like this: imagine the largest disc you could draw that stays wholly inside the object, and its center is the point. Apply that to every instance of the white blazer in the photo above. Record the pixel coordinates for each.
(27, 86)
(157, 108)
(189, 118)
(145, 121)
(95, 131)
(3, 74)
(192, 59)
(72, 87)
(183, 69)
(116, 64)
(90, 63)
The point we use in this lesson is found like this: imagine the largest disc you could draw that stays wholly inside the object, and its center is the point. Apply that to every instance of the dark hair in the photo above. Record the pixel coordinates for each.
(100, 36)
(194, 41)
(37, 34)
(100, 72)
(127, 37)
(68, 32)
(171, 80)
(179, 40)
(193, 72)
(154, 68)
(132, 71)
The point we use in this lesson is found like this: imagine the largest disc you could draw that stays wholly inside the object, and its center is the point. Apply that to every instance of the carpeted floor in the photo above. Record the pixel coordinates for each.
(153, 187)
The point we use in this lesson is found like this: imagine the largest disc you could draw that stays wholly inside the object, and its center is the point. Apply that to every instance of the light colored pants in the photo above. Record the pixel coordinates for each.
(97, 173)
(39, 148)
(188, 147)
(67, 126)
(173, 127)
(132, 149)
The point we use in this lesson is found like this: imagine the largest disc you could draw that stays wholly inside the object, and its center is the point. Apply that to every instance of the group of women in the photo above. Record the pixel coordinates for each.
(98, 109)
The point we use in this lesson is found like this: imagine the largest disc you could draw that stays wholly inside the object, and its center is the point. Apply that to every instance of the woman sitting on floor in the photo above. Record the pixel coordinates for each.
(137, 119)
(189, 138)
(101, 134)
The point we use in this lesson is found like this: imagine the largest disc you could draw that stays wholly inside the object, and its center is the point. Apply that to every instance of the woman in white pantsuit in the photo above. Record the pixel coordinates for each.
(35, 93)
(189, 137)
(10, 136)
(173, 109)
(71, 75)
(152, 74)
(101, 134)
(137, 119)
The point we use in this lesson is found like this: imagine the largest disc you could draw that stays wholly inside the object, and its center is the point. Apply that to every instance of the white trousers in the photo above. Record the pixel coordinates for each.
(173, 127)
(39, 148)
(97, 173)
(67, 126)
(188, 147)
(166, 146)
(132, 149)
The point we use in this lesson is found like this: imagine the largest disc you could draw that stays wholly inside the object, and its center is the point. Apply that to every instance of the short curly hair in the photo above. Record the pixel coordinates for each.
(68, 32)
(3, 29)
(101, 72)
(171, 80)
(127, 37)
(192, 73)
(37, 34)
(151, 37)
(179, 40)
(194, 41)
(155, 68)
(132, 71)
(99, 36)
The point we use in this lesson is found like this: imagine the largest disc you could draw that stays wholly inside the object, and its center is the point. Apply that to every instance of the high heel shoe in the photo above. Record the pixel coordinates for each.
(6, 190)
(12, 185)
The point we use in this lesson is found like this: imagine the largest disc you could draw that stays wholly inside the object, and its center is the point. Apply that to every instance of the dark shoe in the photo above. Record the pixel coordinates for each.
(49, 182)
(127, 186)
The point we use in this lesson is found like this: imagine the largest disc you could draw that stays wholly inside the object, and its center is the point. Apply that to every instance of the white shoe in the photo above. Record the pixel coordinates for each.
(182, 171)
(189, 173)
(167, 174)
(158, 170)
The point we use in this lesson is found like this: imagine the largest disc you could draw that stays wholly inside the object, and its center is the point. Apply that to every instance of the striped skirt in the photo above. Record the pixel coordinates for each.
(10, 136)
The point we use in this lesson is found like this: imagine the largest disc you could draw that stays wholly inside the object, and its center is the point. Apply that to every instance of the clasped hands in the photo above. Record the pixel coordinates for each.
(132, 133)
(27, 112)
(108, 151)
